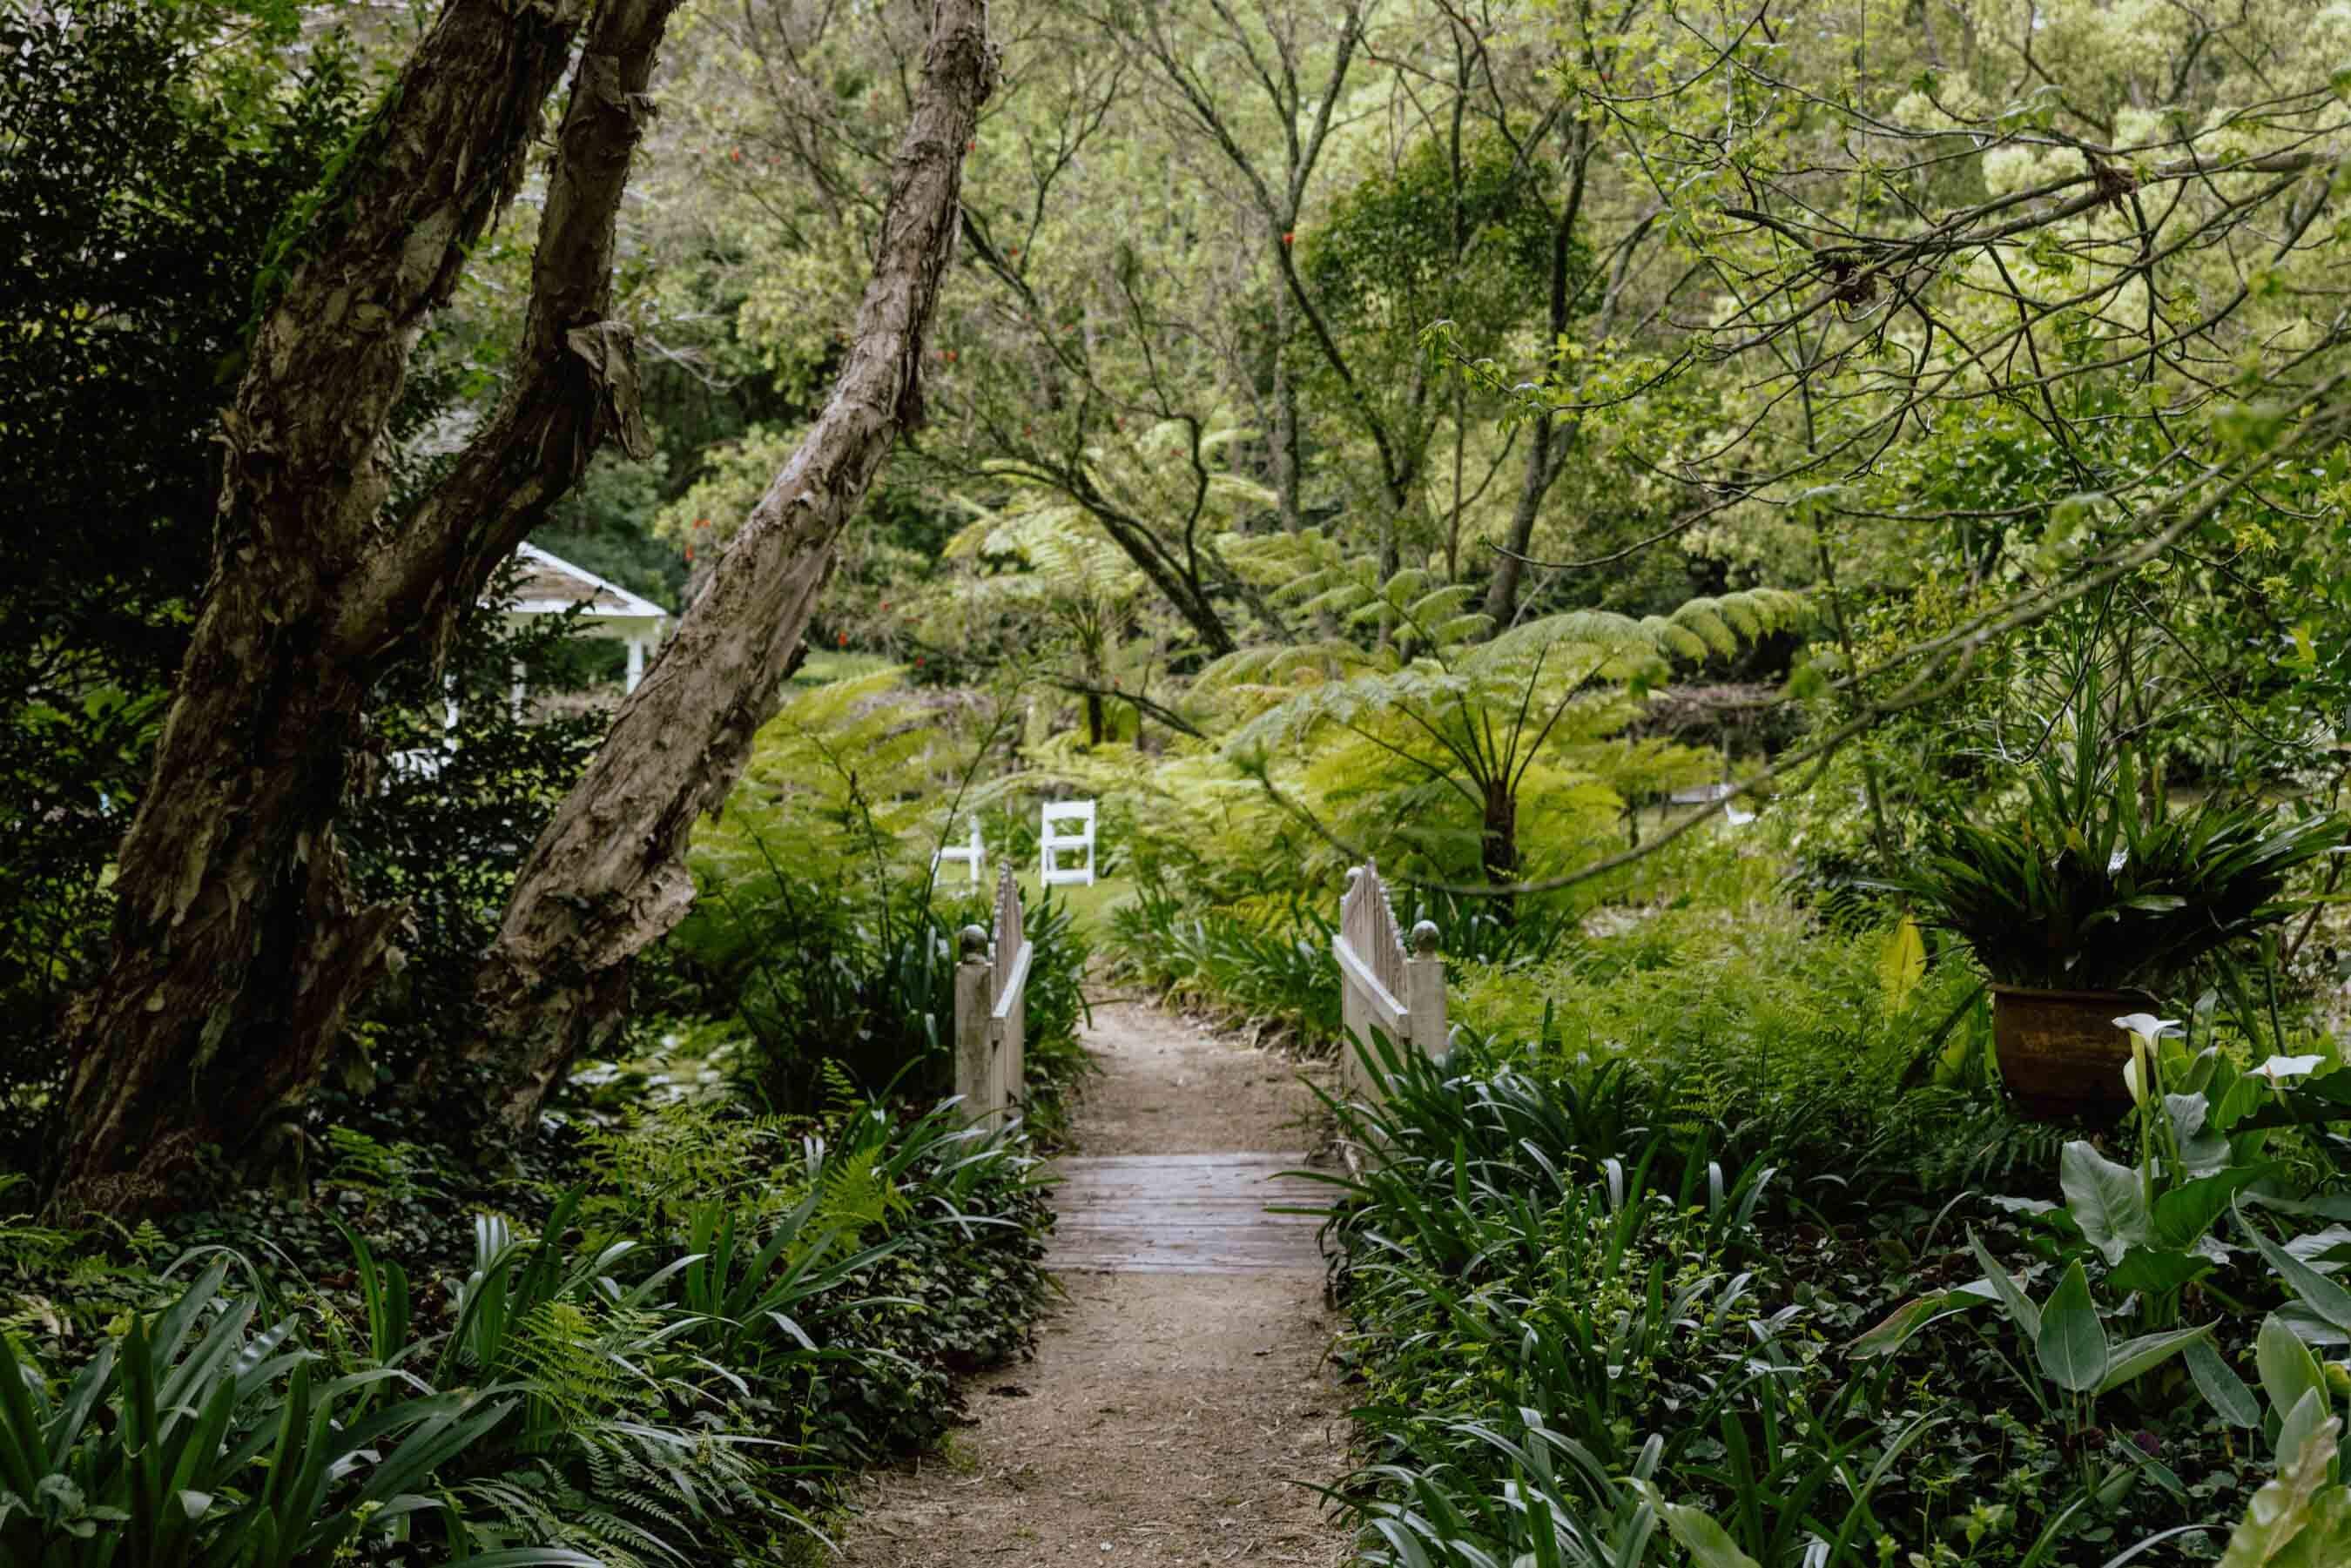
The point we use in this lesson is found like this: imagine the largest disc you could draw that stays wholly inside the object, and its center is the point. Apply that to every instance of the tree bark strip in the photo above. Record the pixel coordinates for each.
(608, 876)
(238, 944)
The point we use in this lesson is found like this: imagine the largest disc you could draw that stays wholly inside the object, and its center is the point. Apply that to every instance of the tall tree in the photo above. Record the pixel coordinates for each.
(608, 876)
(239, 942)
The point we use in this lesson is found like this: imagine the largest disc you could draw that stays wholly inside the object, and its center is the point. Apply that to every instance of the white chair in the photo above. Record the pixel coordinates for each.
(1051, 872)
(973, 854)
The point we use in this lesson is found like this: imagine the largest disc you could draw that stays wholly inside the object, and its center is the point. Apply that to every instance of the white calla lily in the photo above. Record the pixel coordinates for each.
(2146, 1025)
(2278, 1069)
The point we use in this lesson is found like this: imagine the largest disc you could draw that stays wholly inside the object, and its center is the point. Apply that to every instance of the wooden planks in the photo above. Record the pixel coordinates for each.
(1184, 1214)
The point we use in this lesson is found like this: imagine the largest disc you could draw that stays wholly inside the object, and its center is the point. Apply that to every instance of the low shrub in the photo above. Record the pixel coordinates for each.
(820, 925)
(664, 1348)
(1261, 964)
(1586, 1336)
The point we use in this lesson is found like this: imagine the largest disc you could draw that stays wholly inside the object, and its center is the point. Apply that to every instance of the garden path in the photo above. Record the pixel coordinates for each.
(1178, 1406)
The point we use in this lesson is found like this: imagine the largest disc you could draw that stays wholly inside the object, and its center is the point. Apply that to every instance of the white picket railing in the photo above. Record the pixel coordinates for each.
(1381, 987)
(992, 1009)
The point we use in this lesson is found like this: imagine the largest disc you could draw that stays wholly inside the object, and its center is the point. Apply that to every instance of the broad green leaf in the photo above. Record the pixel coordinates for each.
(2286, 1367)
(1899, 1326)
(2322, 1295)
(1708, 1543)
(2185, 1213)
(2133, 1357)
(2072, 1343)
(2308, 1414)
(1901, 964)
(2221, 1387)
(2156, 1273)
(2104, 1198)
(2019, 1306)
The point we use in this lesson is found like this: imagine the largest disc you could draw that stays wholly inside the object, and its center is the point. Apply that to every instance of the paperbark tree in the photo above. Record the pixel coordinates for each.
(239, 943)
(608, 876)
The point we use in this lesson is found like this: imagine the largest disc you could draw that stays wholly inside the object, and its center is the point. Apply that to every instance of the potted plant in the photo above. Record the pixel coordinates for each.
(2091, 897)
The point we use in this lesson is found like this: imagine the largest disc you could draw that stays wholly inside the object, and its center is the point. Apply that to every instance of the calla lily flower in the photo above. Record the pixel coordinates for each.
(2278, 1069)
(2146, 1025)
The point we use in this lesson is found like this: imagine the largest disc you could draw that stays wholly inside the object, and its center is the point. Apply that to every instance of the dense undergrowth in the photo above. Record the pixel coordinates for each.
(662, 1345)
(1684, 1250)
(746, 1256)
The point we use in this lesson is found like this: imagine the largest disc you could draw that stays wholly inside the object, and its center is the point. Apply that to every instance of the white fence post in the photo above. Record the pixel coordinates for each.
(991, 1010)
(974, 1052)
(1423, 990)
(1008, 998)
(1380, 988)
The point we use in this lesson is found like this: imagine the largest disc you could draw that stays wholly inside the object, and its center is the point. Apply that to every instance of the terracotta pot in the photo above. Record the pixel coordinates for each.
(2060, 1053)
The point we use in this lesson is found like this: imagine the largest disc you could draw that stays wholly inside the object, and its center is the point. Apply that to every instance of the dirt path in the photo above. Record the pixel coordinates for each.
(1178, 1396)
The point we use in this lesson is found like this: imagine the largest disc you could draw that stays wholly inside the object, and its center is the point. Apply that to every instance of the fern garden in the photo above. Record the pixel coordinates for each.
(556, 555)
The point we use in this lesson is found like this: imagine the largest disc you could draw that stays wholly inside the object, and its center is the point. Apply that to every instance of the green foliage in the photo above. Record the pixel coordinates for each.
(196, 1440)
(450, 815)
(642, 1373)
(1469, 244)
(1435, 745)
(144, 151)
(1278, 969)
(2093, 885)
(822, 924)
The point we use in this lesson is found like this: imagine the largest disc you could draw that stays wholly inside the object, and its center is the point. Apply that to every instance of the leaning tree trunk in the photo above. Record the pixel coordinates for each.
(239, 943)
(607, 876)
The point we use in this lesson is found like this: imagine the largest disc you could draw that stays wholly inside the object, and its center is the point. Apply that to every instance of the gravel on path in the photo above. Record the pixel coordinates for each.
(1168, 1418)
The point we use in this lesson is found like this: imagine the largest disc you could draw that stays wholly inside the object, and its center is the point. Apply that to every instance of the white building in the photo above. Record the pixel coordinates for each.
(551, 585)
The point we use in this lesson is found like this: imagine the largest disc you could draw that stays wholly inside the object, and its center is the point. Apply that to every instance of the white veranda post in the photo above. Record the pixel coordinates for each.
(991, 1010)
(551, 585)
(972, 853)
(1053, 839)
(1381, 987)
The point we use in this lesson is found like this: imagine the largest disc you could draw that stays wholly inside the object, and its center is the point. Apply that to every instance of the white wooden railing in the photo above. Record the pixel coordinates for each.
(1381, 987)
(991, 1007)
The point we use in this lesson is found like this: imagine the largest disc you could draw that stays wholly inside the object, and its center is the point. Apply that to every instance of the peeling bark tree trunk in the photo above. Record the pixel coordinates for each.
(238, 946)
(608, 876)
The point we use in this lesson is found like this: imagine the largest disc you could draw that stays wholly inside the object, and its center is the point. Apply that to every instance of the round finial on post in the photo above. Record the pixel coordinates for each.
(1424, 939)
(974, 942)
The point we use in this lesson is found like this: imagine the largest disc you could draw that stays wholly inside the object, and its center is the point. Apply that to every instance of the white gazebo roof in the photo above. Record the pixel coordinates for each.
(551, 585)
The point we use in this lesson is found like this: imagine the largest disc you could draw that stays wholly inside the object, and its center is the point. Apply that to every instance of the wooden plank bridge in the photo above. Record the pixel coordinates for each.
(1193, 1214)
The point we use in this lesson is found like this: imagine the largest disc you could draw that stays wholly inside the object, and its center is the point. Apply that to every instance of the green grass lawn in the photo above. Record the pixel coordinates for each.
(1089, 905)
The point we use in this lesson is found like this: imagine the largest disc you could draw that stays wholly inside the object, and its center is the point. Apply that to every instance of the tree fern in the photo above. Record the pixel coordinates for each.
(1452, 731)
